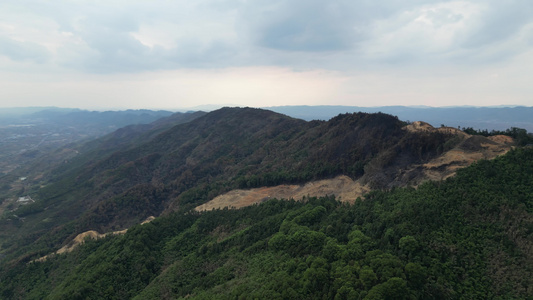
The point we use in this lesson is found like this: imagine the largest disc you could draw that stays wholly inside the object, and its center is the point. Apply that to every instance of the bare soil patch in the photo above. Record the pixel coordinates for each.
(343, 187)
(469, 150)
(82, 237)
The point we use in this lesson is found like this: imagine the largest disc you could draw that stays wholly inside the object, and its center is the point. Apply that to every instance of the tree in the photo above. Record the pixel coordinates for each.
(408, 244)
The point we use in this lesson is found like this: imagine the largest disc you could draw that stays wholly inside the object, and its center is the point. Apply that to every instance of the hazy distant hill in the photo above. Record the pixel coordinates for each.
(28, 133)
(490, 118)
(10, 113)
(95, 149)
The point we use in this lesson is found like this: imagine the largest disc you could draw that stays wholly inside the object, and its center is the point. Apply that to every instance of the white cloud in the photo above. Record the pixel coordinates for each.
(422, 40)
(130, 36)
(429, 33)
(23, 51)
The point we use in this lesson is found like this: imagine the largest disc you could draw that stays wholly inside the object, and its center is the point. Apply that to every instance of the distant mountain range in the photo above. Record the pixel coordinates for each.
(74, 116)
(490, 118)
(28, 133)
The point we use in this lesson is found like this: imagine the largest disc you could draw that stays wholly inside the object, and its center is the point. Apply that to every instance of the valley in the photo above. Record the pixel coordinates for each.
(27, 134)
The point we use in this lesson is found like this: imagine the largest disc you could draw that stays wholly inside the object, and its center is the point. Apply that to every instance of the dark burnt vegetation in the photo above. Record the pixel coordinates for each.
(175, 169)
(468, 237)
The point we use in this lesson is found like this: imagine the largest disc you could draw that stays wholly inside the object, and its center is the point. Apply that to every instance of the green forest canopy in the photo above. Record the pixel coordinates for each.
(469, 237)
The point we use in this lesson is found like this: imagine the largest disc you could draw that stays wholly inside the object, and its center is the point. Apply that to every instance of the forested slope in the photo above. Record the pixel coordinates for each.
(117, 183)
(469, 237)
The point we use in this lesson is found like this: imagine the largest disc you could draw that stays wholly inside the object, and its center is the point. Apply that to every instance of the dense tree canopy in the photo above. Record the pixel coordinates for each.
(469, 237)
(121, 179)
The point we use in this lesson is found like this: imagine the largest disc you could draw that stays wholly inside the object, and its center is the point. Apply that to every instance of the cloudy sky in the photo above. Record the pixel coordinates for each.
(174, 54)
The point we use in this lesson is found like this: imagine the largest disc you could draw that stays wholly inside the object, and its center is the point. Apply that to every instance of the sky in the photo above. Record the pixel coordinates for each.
(172, 54)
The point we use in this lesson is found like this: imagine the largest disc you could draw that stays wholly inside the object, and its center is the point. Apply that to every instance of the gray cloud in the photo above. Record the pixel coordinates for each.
(501, 21)
(113, 49)
(433, 52)
(107, 41)
(307, 34)
(23, 51)
(312, 26)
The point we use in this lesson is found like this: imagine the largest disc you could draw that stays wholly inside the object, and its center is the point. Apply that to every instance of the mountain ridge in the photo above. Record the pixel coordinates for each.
(480, 118)
(418, 241)
(466, 151)
(181, 167)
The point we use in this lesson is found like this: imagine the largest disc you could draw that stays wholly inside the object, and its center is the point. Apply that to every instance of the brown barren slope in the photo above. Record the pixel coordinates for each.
(342, 187)
(82, 237)
(467, 150)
